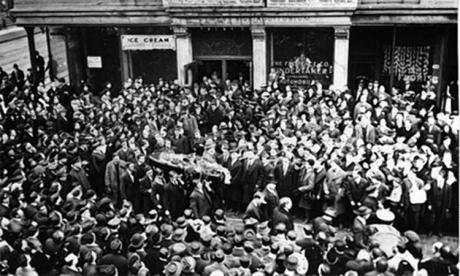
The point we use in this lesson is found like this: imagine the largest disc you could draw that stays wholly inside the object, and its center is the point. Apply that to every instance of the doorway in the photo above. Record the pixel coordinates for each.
(237, 69)
(208, 67)
(225, 68)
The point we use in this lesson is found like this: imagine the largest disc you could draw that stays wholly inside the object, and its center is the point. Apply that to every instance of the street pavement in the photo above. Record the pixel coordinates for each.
(14, 49)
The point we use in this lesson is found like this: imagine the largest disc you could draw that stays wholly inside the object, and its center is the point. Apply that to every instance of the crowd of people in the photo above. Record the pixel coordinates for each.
(80, 194)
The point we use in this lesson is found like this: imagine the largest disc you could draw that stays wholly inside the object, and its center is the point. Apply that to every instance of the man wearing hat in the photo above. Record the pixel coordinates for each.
(251, 177)
(307, 188)
(174, 195)
(311, 248)
(188, 266)
(130, 189)
(200, 199)
(115, 257)
(148, 191)
(113, 173)
(256, 208)
(270, 195)
(336, 257)
(217, 265)
(281, 214)
(219, 219)
(285, 177)
(235, 165)
(173, 269)
(77, 173)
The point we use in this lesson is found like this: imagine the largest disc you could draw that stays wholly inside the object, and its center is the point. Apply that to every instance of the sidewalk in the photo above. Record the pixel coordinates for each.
(13, 32)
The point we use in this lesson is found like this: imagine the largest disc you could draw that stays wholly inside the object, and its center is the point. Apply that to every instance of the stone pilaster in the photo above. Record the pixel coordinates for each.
(341, 53)
(184, 52)
(259, 57)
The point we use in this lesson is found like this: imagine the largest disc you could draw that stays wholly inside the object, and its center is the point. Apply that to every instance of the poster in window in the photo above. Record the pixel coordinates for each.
(301, 56)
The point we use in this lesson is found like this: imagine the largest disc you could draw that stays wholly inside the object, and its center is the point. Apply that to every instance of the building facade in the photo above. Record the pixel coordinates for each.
(335, 41)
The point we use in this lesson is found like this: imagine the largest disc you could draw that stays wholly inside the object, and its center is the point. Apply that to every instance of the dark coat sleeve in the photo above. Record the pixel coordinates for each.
(125, 184)
(195, 205)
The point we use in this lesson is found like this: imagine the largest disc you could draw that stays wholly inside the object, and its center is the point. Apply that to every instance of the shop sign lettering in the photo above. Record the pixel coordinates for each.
(213, 3)
(148, 42)
(301, 71)
(310, 3)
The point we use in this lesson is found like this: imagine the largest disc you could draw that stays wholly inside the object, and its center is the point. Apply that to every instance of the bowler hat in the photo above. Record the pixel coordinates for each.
(181, 222)
(137, 241)
(195, 248)
(178, 235)
(178, 249)
(116, 245)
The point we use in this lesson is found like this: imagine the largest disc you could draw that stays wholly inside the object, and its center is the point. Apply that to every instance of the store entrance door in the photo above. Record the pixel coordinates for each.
(208, 67)
(237, 69)
(225, 68)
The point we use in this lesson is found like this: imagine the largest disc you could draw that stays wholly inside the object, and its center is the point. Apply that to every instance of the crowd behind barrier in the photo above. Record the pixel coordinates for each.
(82, 193)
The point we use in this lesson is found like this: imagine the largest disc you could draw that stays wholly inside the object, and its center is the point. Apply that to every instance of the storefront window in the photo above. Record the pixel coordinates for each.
(302, 55)
(154, 63)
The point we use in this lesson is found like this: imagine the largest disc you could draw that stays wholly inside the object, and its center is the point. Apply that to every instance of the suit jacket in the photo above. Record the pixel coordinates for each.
(440, 197)
(257, 212)
(113, 175)
(145, 184)
(80, 177)
(438, 266)
(236, 171)
(356, 191)
(200, 203)
(251, 178)
(180, 144)
(307, 186)
(119, 261)
(127, 187)
(127, 156)
(272, 200)
(269, 169)
(366, 134)
(313, 253)
(287, 184)
(433, 133)
(281, 215)
(174, 199)
(190, 125)
(215, 117)
(18, 78)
